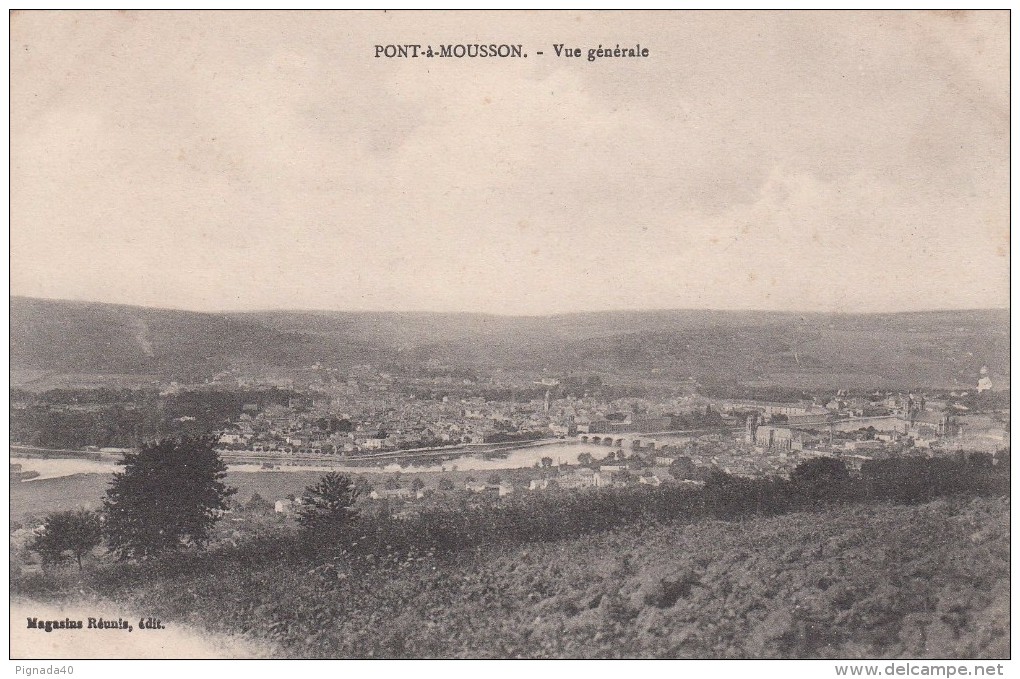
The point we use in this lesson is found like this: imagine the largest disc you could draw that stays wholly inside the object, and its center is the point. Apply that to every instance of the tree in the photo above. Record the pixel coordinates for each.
(585, 459)
(392, 483)
(823, 478)
(328, 505)
(547, 462)
(682, 468)
(445, 483)
(258, 504)
(77, 532)
(417, 484)
(494, 479)
(169, 495)
(824, 471)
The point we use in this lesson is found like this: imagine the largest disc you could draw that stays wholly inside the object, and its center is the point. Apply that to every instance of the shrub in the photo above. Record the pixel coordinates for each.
(68, 534)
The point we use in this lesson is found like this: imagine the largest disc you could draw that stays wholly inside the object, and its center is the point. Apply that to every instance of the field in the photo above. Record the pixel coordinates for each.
(31, 501)
(886, 580)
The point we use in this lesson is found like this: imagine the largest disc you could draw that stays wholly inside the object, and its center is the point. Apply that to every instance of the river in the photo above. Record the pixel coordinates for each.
(517, 458)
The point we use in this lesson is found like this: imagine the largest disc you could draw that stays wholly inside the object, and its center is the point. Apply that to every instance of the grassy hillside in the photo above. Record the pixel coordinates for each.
(852, 351)
(925, 349)
(943, 348)
(923, 581)
(83, 338)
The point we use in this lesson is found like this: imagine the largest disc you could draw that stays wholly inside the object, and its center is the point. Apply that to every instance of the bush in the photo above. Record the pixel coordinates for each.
(68, 534)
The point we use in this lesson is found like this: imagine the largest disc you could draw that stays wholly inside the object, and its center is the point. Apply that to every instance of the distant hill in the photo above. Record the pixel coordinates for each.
(87, 338)
(929, 349)
(917, 349)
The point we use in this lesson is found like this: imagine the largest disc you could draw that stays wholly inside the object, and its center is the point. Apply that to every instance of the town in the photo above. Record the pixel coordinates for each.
(517, 431)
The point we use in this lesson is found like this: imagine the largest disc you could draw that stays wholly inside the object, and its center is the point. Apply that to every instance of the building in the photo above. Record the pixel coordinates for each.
(770, 408)
(581, 478)
(392, 493)
(929, 424)
(864, 446)
(774, 438)
(984, 382)
(606, 479)
(750, 427)
(650, 423)
(501, 489)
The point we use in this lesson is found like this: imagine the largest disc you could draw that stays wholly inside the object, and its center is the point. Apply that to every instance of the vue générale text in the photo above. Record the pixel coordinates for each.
(506, 51)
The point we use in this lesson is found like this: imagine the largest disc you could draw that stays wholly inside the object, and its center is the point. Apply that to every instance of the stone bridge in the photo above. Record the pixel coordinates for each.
(632, 441)
(879, 422)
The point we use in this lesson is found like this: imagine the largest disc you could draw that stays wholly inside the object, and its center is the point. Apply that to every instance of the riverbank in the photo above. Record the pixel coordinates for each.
(478, 457)
(374, 459)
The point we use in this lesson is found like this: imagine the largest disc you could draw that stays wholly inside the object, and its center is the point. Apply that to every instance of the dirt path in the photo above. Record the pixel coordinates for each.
(175, 641)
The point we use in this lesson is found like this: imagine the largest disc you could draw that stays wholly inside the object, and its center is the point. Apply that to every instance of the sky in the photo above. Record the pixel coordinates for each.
(793, 161)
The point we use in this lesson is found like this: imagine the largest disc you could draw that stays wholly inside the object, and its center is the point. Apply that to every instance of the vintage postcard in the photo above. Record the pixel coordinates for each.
(441, 335)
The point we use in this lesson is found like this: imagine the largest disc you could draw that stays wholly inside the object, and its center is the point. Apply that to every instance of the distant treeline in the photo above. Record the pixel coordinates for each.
(511, 437)
(975, 401)
(576, 386)
(986, 400)
(76, 418)
(736, 390)
(562, 514)
(463, 524)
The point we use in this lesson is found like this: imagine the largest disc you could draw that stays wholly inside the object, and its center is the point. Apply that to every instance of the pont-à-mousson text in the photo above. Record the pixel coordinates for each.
(508, 51)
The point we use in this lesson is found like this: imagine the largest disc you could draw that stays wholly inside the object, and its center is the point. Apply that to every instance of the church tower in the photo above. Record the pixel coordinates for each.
(750, 428)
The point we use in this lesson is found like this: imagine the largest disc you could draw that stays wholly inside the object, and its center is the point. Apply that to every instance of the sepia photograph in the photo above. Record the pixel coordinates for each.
(505, 335)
